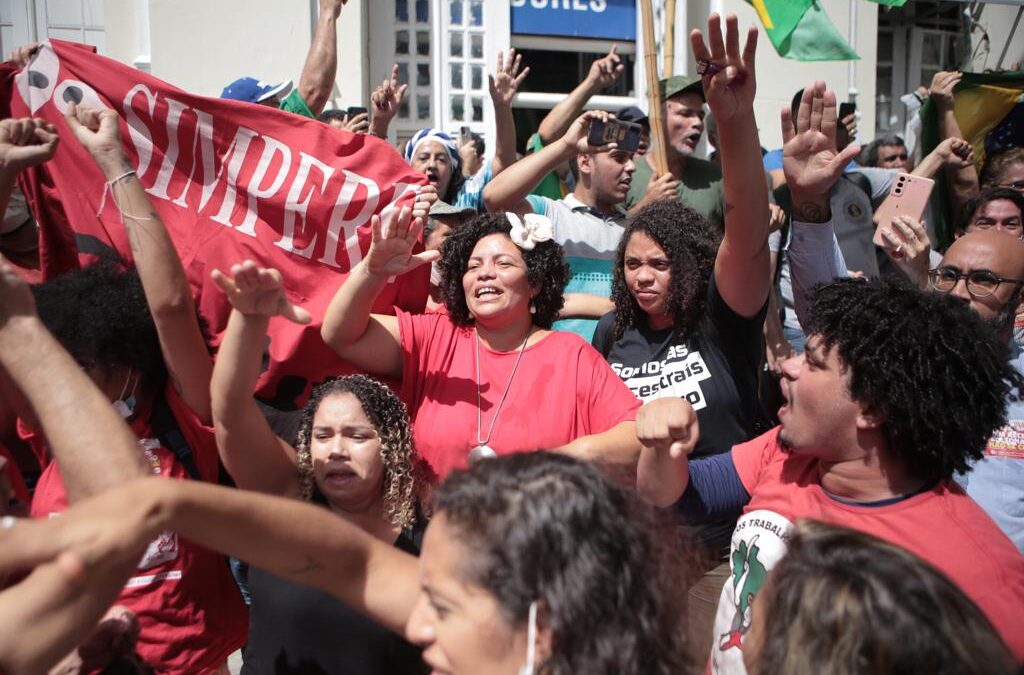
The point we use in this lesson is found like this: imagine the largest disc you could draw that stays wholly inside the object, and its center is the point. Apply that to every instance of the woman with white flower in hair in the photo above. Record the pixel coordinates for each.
(487, 376)
(353, 455)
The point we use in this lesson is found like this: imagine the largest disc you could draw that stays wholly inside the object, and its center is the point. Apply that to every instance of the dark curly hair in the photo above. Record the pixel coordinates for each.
(935, 371)
(546, 269)
(855, 604)
(548, 528)
(100, 316)
(390, 420)
(690, 243)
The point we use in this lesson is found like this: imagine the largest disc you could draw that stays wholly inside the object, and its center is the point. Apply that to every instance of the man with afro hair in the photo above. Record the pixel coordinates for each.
(899, 389)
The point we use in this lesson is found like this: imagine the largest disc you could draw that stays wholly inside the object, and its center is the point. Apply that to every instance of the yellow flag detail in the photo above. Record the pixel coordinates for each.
(762, 12)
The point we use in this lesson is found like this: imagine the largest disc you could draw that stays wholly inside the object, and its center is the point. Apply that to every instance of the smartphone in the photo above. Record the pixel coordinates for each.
(626, 134)
(846, 109)
(354, 110)
(907, 197)
(464, 133)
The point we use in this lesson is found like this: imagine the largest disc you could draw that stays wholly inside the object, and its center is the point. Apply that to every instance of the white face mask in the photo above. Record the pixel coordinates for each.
(531, 641)
(125, 407)
(435, 274)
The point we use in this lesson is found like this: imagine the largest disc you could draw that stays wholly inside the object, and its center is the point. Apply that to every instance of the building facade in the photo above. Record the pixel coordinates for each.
(446, 48)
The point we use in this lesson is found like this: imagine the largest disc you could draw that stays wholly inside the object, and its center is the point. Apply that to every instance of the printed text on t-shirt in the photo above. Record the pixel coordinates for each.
(678, 374)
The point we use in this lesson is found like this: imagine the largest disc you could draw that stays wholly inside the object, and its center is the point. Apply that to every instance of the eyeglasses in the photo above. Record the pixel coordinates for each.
(980, 283)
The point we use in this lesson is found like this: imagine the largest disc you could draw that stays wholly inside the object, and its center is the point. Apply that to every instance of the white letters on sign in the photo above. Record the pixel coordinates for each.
(573, 5)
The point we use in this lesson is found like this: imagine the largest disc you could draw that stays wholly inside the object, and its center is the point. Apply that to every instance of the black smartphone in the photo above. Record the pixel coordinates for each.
(625, 134)
(354, 110)
(846, 109)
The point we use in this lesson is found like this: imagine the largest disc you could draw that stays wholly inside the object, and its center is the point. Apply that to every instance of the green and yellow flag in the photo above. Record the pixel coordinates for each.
(988, 110)
(800, 29)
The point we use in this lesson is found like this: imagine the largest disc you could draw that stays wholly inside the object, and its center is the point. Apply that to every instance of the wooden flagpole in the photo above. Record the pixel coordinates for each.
(670, 38)
(657, 152)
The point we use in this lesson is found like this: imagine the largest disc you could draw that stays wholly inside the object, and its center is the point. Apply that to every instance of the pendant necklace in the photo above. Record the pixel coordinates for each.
(482, 450)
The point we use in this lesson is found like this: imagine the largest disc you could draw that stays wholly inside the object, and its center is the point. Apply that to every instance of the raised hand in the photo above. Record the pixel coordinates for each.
(505, 83)
(23, 54)
(390, 251)
(425, 199)
(331, 7)
(99, 132)
(16, 299)
(357, 124)
(24, 143)
(579, 130)
(809, 157)
(728, 77)
(258, 291)
(955, 153)
(606, 70)
(943, 83)
(387, 97)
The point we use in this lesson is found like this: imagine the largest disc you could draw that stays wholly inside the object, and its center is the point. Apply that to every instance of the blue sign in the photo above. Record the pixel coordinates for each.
(604, 19)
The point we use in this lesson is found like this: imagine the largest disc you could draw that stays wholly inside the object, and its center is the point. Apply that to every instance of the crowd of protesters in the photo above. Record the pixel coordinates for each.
(721, 418)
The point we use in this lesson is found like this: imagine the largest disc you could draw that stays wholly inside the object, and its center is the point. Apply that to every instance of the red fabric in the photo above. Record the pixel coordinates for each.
(562, 390)
(14, 475)
(230, 180)
(190, 611)
(942, 526)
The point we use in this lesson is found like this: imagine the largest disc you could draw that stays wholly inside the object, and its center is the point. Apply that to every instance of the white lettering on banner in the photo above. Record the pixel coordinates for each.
(338, 221)
(295, 205)
(311, 183)
(271, 148)
(573, 5)
(678, 375)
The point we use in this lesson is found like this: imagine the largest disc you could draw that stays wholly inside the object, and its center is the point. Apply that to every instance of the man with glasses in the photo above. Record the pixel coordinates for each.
(985, 268)
(1000, 209)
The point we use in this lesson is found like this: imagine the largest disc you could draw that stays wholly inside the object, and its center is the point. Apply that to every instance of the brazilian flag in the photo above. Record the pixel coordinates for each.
(989, 108)
(800, 30)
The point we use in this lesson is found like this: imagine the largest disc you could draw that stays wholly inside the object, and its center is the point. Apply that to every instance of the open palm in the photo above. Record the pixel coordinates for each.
(390, 251)
(810, 160)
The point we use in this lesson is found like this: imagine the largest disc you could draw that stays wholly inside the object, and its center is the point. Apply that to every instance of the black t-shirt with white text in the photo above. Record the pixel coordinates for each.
(716, 369)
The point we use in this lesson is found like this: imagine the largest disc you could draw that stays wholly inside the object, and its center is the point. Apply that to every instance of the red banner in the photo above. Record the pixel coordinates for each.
(231, 181)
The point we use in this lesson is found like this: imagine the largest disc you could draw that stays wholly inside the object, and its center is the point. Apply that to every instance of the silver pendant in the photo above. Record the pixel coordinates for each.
(481, 452)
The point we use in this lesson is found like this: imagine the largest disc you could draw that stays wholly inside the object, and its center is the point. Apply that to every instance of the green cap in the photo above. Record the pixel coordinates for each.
(680, 84)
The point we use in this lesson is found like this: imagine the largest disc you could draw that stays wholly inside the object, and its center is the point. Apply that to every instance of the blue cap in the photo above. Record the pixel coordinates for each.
(251, 90)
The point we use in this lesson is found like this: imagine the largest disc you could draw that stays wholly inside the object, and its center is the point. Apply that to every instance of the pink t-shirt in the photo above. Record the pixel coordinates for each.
(190, 612)
(942, 526)
(562, 390)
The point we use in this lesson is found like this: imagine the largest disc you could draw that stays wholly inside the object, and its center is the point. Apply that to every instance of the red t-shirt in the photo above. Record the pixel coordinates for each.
(190, 611)
(562, 390)
(942, 526)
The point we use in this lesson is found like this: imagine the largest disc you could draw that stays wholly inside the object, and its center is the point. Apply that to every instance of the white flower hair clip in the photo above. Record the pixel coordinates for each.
(530, 230)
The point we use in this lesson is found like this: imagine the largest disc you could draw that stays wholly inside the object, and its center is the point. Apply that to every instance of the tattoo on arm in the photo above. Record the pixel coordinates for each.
(809, 212)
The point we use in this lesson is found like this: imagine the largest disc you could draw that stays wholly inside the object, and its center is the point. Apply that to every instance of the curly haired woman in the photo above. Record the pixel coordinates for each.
(354, 455)
(488, 376)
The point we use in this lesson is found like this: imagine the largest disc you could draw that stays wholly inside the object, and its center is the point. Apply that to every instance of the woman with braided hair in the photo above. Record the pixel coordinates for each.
(353, 455)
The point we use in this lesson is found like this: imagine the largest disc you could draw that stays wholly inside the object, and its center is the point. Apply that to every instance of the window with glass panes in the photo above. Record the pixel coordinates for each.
(466, 63)
(413, 54)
